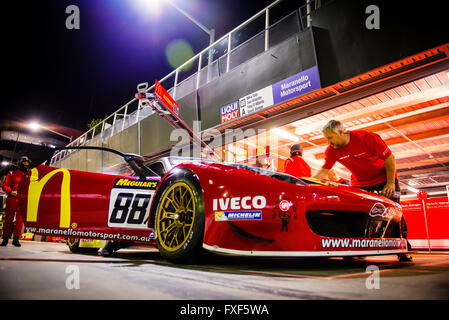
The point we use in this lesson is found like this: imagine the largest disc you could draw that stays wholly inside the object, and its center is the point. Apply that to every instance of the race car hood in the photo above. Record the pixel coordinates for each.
(321, 186)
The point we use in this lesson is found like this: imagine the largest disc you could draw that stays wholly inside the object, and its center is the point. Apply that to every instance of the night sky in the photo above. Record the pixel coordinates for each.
(68, 77)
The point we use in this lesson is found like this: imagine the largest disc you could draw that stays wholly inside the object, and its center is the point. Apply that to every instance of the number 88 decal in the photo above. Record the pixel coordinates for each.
(128, 209)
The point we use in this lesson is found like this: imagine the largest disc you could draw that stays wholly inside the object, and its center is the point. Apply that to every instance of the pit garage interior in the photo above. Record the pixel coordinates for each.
(396, 85)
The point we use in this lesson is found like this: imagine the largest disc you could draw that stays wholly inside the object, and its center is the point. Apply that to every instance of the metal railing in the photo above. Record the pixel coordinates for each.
(131, 112)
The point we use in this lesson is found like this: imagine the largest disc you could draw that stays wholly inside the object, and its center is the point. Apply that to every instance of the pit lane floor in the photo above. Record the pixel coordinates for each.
(41, 270)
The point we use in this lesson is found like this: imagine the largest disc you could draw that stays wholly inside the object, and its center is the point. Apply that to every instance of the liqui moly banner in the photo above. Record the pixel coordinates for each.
(291, 87)
(230, 112)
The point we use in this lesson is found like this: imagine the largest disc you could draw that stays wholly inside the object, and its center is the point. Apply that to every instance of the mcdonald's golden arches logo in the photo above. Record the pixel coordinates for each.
(35, 191)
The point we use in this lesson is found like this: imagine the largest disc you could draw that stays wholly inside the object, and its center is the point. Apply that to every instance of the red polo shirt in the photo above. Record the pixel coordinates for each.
(297, 167)
(364, 156)
(12, 179)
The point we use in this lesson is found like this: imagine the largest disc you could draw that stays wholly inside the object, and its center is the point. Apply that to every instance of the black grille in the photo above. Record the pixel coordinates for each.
(350, 224)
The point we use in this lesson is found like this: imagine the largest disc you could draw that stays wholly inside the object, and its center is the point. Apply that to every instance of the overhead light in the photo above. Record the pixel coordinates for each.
(34, 126)
(5, 163)
(285, 134)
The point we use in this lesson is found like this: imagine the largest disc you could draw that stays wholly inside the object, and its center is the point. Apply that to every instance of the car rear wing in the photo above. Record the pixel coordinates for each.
(167, 108)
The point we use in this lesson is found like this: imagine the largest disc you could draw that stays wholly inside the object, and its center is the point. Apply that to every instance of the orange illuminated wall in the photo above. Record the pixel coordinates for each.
(437, 211)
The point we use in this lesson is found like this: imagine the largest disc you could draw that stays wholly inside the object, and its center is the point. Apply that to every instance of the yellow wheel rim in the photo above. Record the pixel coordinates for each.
(175, 216)
(71, 241)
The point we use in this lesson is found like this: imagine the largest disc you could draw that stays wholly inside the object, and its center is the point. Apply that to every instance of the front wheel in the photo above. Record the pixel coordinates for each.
(179, 220)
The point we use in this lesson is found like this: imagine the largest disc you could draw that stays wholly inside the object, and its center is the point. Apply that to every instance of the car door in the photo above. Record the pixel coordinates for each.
(70, 203)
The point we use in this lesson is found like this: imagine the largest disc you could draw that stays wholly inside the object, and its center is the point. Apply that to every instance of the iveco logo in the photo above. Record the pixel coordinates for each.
(237, 203)
(377, 210)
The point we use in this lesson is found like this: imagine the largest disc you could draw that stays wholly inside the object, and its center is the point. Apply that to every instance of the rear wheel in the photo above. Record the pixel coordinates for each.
(179, 220)
(74, 246)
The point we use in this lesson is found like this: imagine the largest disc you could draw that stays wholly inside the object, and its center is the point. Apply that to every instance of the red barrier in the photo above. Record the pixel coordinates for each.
(437, 213)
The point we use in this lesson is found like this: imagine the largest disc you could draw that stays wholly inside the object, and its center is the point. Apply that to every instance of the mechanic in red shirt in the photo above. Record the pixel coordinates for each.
(10, 185)
(369, 159)
(295, 165)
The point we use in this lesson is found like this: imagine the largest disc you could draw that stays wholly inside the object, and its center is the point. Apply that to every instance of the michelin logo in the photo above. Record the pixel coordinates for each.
(238, 215)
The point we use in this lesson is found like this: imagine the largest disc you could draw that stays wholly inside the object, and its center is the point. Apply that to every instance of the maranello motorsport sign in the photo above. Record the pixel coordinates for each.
(291, 87)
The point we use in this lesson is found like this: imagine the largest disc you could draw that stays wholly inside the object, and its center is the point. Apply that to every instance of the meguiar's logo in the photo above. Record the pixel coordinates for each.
(132, 183)
(35, 191)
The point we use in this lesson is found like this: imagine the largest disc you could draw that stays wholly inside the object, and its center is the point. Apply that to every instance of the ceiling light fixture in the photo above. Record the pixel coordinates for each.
(285, 134)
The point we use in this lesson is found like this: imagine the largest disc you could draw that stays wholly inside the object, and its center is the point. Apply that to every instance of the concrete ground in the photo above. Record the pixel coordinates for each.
(48, 271)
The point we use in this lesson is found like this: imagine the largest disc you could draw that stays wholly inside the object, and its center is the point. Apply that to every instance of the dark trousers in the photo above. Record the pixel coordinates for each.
(378, 189)
(12, 209)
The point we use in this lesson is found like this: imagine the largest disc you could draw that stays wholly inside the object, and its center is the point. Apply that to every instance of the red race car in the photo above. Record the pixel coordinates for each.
(224, 208)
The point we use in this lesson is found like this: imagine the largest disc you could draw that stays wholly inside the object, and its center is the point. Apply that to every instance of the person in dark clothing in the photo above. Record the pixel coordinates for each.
(10, 185)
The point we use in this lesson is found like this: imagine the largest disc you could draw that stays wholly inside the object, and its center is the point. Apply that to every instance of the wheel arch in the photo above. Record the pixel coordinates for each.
(174, 174)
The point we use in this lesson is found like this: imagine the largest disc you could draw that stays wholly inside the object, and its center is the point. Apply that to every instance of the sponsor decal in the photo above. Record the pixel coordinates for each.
(230, 112)
(69, 233)
(284, 210)
(132, 183)
(35, 191)
(256, 101)
(238, 203)
(379, 210)
(129, 203)
(238, 215)
(337, 243)
(291, 87)
(296, 85)
(239, 208)
(284, 205)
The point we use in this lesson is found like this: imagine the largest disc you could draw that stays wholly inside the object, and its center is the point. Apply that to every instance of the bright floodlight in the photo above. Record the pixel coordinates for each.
(34, 126)
(149, 6)
(5, 163)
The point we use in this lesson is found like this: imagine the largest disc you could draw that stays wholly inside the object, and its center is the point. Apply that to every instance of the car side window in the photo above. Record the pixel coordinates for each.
(157, 167)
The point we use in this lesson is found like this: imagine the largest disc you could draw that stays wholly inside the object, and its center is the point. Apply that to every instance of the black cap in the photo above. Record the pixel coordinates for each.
(296, 147)
(24, 158)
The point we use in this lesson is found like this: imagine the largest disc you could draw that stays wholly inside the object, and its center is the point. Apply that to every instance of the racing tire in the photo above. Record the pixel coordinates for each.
(74, 246)
(179, 220)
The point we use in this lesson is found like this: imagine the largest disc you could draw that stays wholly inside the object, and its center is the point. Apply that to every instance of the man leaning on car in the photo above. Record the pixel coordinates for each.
(369, 159)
